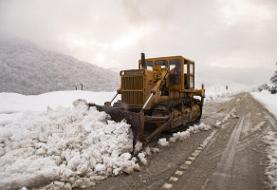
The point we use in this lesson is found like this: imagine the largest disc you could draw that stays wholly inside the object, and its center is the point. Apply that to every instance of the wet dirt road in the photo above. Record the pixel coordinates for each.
(230, 156)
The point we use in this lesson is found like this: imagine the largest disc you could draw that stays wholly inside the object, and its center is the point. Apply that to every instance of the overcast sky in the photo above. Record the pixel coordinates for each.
(230, 40)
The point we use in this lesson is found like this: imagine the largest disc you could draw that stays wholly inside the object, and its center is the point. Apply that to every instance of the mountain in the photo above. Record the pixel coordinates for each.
(28, 69)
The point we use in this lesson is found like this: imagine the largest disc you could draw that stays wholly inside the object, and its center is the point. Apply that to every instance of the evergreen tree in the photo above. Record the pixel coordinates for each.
(273, 79)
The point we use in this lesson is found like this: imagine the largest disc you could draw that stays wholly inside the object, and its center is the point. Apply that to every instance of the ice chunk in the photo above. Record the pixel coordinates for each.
(163, 142)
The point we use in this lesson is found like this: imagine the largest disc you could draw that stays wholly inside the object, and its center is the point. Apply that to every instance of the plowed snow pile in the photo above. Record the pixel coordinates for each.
(72, 146)
(183, 135)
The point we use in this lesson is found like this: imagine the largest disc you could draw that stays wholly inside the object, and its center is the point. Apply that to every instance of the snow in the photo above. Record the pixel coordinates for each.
(186, 134)
(142, 158)
(182, 135)
(218, 92)
(231, 114)
(26, 68)
(13, 102)
(271, 169)
(167, 186)
(67, 144)
(268, 100)
(163, 142)
(100, 167)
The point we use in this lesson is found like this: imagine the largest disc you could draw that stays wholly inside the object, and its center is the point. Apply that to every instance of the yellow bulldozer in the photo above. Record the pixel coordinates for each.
(158, 96)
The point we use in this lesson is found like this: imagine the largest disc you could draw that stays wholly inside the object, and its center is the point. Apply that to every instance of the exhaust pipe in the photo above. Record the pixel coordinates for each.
(142, 59)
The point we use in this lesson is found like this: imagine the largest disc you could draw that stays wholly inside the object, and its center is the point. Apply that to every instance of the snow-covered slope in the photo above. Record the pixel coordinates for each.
(268, 100)
(13, 102)
(28, 69)
(271, 170)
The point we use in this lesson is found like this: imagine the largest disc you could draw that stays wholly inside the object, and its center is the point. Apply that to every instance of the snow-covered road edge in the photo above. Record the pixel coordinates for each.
(271, 170)
(268, 100)
(182, 135)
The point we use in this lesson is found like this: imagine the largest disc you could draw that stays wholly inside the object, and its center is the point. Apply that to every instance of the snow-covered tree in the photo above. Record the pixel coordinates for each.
(28, 69)
(263, 87)
(273, 80)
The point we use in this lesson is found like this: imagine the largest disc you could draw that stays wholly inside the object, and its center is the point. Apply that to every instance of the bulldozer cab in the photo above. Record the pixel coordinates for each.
(180, 71)
(169, 77)
(189, 70)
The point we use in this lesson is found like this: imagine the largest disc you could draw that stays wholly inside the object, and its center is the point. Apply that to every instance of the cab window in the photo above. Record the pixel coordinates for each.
(162, 63)
(175, 71)
(149, 65)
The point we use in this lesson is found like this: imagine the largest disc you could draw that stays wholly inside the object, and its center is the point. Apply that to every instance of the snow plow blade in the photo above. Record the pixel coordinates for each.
(135, 120)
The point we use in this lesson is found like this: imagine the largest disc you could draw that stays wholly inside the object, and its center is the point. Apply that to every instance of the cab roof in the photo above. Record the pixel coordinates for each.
(169, 57)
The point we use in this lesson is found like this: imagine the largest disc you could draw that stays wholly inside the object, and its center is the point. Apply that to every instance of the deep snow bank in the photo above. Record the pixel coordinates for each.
(268, 100)
(75, 146)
